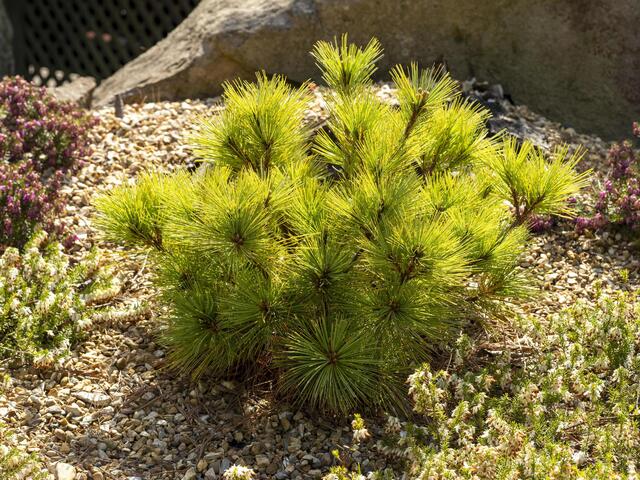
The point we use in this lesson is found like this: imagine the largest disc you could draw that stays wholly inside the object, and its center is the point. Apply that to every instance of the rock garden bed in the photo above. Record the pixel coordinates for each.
(112, 409)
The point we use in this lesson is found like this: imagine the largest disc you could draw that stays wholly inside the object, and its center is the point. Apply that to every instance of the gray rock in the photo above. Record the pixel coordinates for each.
(576, 62)
(287, 415)
(190, 474)
(326, 459)
(262, 461)
(215, 466)
(210, 474)
(55, 410)
(520, 129)
(74, 410)
(314, 461)
(257, 448)
(496, 91)
(93, 398)
(78, 91)
(285, 423)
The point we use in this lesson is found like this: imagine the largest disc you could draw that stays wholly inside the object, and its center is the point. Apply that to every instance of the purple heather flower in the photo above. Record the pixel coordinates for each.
(582, 224)
(539, 224)
(70, 241)
(608, 185)
(38, 124)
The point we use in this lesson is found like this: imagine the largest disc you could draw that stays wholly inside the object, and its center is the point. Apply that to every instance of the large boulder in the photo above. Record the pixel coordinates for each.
(577, 61)
(78, 91)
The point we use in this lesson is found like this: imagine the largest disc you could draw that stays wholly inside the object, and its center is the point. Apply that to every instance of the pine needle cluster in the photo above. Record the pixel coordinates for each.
(338, 257)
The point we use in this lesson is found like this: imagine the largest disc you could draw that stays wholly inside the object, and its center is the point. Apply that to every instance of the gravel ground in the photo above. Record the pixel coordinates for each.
(112, 411)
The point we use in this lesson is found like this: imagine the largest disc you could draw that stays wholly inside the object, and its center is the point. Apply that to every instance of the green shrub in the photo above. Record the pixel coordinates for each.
(45, 302)
(338, 259)
(561, 403)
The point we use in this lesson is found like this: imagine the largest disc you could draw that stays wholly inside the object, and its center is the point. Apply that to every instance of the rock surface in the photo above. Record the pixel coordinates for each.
(78, 91)
(577, 62)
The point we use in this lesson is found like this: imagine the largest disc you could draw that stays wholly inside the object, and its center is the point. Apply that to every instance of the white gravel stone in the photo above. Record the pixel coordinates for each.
(64, 471)
(93, 398)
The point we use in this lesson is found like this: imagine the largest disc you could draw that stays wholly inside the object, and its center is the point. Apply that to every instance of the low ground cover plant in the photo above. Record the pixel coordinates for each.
(41, 142)
(338, 259)
(34, 124)
(618, 197)
(28, 203)
(560, 403)
(45, 301)
(553, 399)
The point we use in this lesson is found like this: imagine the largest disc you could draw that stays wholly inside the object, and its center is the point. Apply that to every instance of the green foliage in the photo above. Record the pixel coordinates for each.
(349, 455)
(16, 464)
(345, 67)
(259, 128)
(562, 405)
(45, 302)
(339, 259)
(327, 365)
(137, 216)
(533, 183)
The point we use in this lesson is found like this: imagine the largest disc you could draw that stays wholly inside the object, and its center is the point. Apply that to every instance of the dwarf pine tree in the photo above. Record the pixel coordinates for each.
(338, 257)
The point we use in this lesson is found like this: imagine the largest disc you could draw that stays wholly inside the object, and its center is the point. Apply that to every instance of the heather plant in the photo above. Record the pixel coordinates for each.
(338, 259)
(41, 140)
(34, 124)
(559, 401)
(27, 203)
(45, 301)
(617, 200)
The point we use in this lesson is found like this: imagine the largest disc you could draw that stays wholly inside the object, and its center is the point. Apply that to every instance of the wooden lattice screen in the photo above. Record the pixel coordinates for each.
(57, 39)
